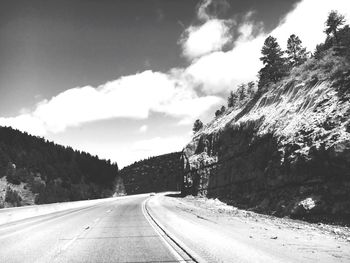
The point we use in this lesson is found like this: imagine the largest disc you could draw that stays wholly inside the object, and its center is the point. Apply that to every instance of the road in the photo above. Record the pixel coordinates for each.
(161, 228)
(117, 230)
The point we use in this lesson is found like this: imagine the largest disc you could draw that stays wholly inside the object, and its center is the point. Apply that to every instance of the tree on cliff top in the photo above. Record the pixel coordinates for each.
(334, 21)
(274, 64)
(232, 99)
(198, 124)
(337, 39)
(220, 111)
(297, 54)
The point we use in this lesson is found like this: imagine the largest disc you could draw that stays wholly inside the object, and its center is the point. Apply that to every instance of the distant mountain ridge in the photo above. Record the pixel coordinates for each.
(155, 174)
(36, 171)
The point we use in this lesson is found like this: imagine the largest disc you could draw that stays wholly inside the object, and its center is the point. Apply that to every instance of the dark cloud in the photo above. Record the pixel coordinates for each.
(212, 8)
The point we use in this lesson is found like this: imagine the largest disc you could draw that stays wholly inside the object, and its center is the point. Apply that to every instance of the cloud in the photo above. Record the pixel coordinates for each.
(209, 9)
(133, 97)
(213, 35)
(220, 72)
(307, 20)
(217, 71)
(143, 128)
(188, 92)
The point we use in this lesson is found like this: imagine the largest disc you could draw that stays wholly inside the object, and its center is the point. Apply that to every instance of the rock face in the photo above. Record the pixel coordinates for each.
(156, 174)
(287, 152)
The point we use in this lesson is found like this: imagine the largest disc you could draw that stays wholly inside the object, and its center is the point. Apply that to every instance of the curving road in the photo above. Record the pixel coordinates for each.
(160, 229)
(118, 230)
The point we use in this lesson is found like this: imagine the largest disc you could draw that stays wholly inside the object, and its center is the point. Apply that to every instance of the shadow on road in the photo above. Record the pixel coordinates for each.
(175, 195)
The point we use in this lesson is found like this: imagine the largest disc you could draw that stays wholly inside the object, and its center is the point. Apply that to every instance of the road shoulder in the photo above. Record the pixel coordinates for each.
(221, 233)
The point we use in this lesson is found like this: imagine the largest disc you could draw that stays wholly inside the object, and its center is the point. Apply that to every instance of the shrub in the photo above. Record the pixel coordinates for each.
(13, 197)
(11, 174)
(198, 124)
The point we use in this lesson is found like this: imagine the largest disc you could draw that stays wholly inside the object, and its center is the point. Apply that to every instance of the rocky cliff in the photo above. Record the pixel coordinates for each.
(286, 152)
(155, 174)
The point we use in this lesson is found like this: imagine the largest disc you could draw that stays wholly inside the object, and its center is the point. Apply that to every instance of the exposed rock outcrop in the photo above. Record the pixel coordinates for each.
(287, 152)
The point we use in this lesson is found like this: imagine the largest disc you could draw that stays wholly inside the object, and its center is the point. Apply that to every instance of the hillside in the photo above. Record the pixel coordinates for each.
(287, 150)
(36, 171)
(155, 174)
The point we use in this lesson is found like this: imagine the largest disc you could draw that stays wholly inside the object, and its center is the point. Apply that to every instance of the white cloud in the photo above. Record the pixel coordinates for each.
(132, 96)
(143, 128)
(213, 71)
(307, 21)
(200, 40)
(219, 71)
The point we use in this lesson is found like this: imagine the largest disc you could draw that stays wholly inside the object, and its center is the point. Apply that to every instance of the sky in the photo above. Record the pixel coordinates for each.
(125, 80)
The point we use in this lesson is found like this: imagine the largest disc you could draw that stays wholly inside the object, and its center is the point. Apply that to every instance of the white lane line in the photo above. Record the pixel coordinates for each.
(52, 219)
(177, 256)
(70, 242)
(192, 254)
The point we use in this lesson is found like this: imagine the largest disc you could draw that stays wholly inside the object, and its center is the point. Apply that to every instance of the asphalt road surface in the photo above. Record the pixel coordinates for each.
(161, 228)
(118, 230)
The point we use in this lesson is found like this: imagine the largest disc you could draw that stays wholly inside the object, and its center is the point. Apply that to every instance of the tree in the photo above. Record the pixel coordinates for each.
(274, 64)
(297, 54)
(251, 88)
(334, 21)
(12, 197)
(12, 175)
(337, 38)
(198, 124)
(232, 99)
(217, 113)
(242, 93)
(220, 111)
(223, 109)
(344, 42)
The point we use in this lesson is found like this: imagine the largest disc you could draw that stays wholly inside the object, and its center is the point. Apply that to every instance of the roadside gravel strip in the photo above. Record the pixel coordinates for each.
(211, 231)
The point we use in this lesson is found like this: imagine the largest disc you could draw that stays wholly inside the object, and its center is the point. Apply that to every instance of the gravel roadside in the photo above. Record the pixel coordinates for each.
(246, 236)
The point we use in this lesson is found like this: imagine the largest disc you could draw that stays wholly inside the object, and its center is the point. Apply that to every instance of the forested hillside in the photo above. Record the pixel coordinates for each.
(155, 174)
(34, 170)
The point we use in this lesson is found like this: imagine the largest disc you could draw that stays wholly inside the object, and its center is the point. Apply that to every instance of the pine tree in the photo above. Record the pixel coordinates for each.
(251, 89)
(334, 21)
(232, 99)
(223, 109)
(274, 64)
(242, 93)
(297, 54)
(198, 124)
